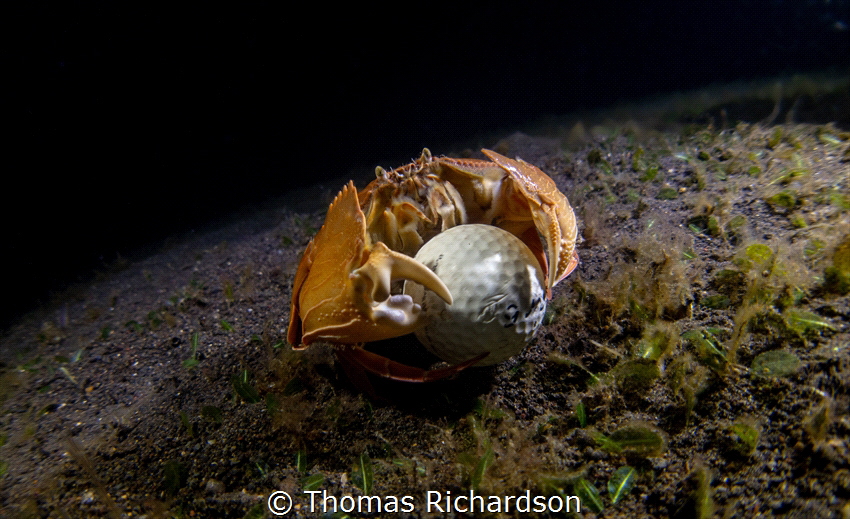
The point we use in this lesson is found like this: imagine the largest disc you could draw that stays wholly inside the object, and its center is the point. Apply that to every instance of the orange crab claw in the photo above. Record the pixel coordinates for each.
(520, 198)
(550, 210)
(341, 291)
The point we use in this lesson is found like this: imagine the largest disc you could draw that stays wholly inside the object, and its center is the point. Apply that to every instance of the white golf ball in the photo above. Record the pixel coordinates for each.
(498, 291)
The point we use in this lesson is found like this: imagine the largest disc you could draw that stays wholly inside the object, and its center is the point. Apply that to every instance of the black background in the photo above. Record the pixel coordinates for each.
(127, 124)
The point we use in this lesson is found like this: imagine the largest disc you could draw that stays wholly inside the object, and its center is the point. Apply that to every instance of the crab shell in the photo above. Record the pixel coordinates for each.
(341, 293)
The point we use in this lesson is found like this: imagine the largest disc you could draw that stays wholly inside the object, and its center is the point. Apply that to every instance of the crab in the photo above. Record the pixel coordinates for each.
(342, 291)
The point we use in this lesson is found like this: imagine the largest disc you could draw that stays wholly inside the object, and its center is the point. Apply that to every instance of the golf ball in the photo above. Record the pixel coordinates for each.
(498, 291)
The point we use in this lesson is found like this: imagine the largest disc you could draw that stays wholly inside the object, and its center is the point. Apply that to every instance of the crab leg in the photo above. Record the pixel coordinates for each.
(384, 367)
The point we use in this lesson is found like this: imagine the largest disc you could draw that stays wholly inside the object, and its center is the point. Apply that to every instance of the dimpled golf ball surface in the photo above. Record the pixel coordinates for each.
(497, 287)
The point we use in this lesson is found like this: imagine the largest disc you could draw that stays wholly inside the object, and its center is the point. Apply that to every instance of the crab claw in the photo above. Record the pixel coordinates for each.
(376, 276)
(550, 210)
(341, 291)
